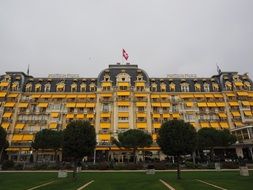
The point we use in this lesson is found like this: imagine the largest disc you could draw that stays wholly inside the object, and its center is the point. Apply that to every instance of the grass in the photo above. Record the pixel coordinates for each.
(127, 181)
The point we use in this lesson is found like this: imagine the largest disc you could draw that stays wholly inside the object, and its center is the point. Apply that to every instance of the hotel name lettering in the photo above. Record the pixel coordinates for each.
(63, 76)
(181, 76)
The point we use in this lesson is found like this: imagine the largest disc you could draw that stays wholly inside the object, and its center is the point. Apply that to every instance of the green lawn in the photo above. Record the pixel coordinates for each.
(127, 181)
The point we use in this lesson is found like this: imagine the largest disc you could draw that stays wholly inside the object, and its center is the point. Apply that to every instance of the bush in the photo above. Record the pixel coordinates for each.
(19, 167)
(230, 165)
(7, 164)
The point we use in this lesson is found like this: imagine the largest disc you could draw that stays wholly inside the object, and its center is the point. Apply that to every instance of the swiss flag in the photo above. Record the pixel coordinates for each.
(125, 54)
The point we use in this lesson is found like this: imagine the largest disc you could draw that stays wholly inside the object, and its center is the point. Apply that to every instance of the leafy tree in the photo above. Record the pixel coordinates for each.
(176, 138)
(208, 138)
(133, 139)
(3, 142)
(79, 140)
(48, 139)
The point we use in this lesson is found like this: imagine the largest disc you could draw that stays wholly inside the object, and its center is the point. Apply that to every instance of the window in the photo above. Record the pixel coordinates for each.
(206, 87)
(74, 87)
(60, 87)
(215, 87)
(82, 87)
(247, 85)
(185, 87)
(172, 87)
(163, 87)
(38, 87)
(92, 87)
(228, 86)
(197, 87)
(47, 87)
(28, 87)
(15, 86)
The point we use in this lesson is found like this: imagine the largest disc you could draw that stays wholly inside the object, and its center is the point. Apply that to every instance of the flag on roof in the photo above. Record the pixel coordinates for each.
(125, 54)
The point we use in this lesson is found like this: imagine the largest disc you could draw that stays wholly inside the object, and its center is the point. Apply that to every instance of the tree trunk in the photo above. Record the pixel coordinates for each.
(178, 167)
(194, 157)
(134, 152)
(211, 154)
(75, 169)
(1, 152)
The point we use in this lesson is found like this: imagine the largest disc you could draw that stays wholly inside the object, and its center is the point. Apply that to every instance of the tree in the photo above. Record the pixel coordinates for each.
(48, 139)
(208, 138)
(3, 142)
(79, 140)
(133, 139)
(177, 138)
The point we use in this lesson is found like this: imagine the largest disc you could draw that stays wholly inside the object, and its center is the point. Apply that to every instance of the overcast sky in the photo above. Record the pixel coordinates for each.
(161, 36)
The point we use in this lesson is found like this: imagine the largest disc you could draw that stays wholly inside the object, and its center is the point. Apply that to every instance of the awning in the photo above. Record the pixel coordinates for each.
(80, 105)
(189, 104)
(123, 114)
(211, 104)
(46, 96)
(17, 137)
(204, 124)
(54, 114)
(70, 116)
(123, 93)
(123, 103)
(80, 116)
(2, 94)
(209, 95)
(186, 96)
(242, 93)
(123, 84)
(247, 113)
(105, 125)
(224, 124)
(71, 105)
(140, 84)
(202, 104)
(90, 105)
(251, 103)
(166, 115)
(245, 103)
(233, 103)
(19, 126)
(238, 84)
(106, 95)
(238, 124)
(164, 95)
(58, 96)
(90, 116)
(141, 115)
(215, 125)
(43, 105)
(27, 138)
(105, 115)
(176, 115)
(4, 84)
(35, 95)
(156, 115)
(91, 95)
(71, 96)
(7, 115)
(222, 115)
(81, 96)
(155, 96)
(9, 104)
(218, 95)
(104, 137)
(236, 114)
(167, 104)
(141, 125)
(156, 104)
(220, 104)
(23, 105)
(199, 95)
(157, 125)
(123, 125)
(53, 125)
(141, 104)
(140, 95)
(5, 125)
(106, 84)
(230, 94)
(12, 95)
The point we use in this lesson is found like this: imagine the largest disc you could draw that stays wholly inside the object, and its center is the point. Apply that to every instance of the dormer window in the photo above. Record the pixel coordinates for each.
(82, 87)
(215, 87)
(163, 87)
(38, 87)
(228, 86)
(28, 87)
(206, 87)
(47, 87)
(247, 85)
(92, 87)
(172, 87)
(60, 87)
(15, 86)
(197, 87)
(185, 87)
(74, 87)
(153, 87)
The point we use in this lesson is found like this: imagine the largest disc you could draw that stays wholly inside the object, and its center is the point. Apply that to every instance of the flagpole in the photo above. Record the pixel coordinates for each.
(122, 57)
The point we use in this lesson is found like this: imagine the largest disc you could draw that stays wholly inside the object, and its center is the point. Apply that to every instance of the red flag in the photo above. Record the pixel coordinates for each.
(125, 54)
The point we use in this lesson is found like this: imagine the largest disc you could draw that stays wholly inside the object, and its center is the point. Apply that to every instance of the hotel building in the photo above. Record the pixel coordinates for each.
(123, 97)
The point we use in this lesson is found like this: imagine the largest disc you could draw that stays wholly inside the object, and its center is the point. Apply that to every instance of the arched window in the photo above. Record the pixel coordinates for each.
(172, 87)
(37, 87)
(82, 87)
(47, 87)
(197, 87)
(28, 87)
(185, 87)
(60, 87)
(228, 86)
(74, 87)
(206, 87)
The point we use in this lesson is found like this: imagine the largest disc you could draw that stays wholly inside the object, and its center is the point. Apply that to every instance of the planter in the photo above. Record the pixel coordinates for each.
(244, 171)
